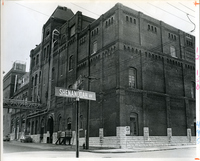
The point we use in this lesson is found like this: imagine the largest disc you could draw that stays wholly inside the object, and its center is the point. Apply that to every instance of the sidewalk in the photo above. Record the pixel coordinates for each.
(143, 149)
(54, 147)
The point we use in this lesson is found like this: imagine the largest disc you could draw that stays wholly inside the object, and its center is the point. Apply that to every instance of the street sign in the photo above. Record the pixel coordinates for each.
(87, 95)
(78, 82)
(61, 92)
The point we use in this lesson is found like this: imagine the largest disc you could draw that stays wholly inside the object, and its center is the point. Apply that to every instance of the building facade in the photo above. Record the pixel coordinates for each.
(10, 86)
(141, 69)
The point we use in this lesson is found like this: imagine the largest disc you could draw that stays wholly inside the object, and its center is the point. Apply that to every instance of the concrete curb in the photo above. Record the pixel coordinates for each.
(138, 150)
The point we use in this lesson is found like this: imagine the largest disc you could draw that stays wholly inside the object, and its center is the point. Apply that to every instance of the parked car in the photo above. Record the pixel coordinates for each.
(6, 138)
(26, 139)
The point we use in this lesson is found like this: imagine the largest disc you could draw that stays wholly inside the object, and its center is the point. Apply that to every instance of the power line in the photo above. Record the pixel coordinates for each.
(179, 9)
(141, 8)
(186, 7)
(85, 9)
(33, 9)
(169, 13)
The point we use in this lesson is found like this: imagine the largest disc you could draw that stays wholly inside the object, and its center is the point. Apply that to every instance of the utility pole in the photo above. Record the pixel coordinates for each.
(77, 127)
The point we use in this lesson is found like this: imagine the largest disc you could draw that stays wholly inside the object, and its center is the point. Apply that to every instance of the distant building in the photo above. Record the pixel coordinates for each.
(142, 70)
(10, 86)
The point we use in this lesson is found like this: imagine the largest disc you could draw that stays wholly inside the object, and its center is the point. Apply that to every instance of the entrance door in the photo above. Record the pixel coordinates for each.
(133, 124)
(50, 127)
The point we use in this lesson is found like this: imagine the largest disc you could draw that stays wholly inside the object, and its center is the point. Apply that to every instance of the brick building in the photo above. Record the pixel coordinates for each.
(142, 70)
(10, 81)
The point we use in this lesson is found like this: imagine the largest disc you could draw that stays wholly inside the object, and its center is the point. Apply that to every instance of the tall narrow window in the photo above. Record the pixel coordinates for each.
(81, 122)
(40, 76)
(132, 77)
(53, 74)
(45, 50)
(36, 126)
(47, 54)
(173, 51)
(70, 62)
(69, 123)
(193, 90)
(36, 79)
(32, 128)
(94, 47)
(72, 31)
(37, 59)
(33, 61)
(133, 124)
(59, 123)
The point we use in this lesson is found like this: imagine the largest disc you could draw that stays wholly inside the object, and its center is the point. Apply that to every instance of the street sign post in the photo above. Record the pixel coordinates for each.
(78, 94)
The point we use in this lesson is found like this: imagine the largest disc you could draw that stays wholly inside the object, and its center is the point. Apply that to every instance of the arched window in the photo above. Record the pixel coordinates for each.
(132, 77)
(173, 51)
(71, 62)
(134, 124)
(126, 18)
(112, 20)
(148, 27)
(131, 19)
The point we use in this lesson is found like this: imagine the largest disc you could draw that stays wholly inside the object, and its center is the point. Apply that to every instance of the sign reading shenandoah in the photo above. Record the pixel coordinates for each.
(61, 92)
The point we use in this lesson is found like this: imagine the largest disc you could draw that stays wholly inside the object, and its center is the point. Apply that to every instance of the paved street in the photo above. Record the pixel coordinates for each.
(17, 151)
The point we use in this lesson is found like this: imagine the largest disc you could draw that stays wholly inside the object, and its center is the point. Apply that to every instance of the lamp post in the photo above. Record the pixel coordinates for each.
(88, 111)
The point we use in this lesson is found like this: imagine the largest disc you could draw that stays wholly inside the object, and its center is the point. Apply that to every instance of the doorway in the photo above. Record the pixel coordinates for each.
(50, 129)
(133, 124)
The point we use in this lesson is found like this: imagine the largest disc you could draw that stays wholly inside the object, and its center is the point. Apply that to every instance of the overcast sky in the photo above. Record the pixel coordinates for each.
(22, 21)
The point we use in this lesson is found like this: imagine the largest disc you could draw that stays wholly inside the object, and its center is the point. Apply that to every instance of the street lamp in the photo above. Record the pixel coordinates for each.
(88, 111)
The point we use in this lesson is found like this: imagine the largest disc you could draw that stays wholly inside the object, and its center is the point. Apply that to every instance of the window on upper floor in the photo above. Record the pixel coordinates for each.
(44, 54)
(47, 33)
(70, 62)
(53, 74)
(132, 77)
(36, 79)
(33, 61)
(94, 49)
(37, 59)
(193, 90)
(72, 31)
(173, 51)
(47, 54)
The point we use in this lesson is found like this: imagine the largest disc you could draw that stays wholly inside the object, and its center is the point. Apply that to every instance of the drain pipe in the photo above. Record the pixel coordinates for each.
(49, 83)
